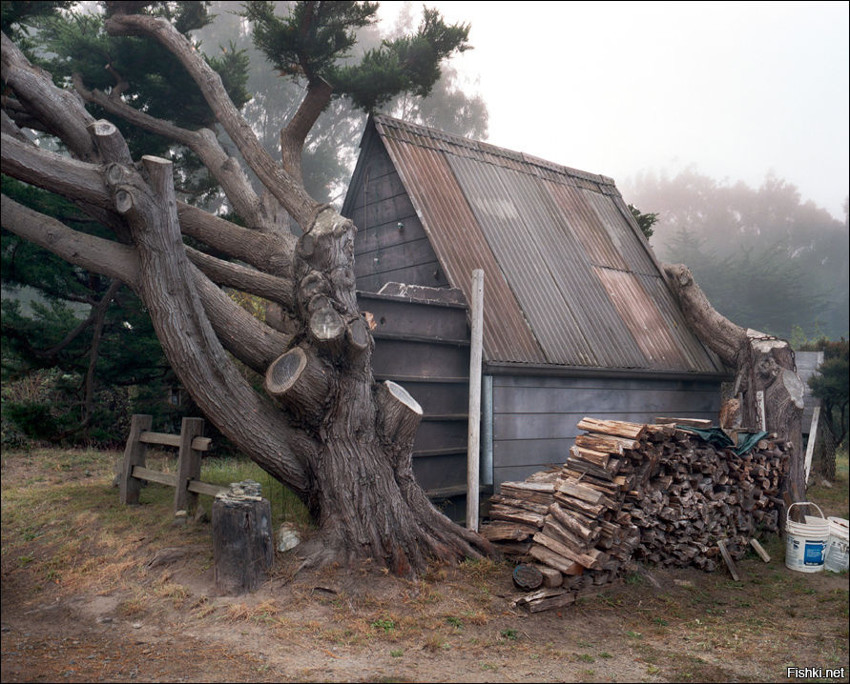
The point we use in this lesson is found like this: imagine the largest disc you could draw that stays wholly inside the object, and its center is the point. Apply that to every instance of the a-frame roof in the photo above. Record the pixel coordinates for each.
(570, 280)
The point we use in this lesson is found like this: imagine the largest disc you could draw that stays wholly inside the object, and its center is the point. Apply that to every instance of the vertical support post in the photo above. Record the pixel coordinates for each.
(134, 455)
(188, 464)
(473, 466)
(487, 431)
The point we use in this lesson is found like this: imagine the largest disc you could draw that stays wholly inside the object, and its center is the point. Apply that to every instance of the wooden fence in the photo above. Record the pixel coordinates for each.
(190, 444)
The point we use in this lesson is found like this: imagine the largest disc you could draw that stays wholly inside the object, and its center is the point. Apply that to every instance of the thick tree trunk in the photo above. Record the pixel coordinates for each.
(767, 384)
(324, 428)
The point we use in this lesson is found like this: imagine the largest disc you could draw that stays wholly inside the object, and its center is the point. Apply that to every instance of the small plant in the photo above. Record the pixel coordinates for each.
(634, 635)
(455, 622)
(660, 621)
(586, 658)
(605, 654)
(397, 653)
(386, 624)
(509, 634)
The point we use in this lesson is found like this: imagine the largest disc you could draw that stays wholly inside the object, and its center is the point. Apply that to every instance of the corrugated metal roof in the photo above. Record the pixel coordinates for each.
(569, 280)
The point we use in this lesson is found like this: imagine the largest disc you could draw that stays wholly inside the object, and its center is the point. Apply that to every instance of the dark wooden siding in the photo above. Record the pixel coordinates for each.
(535, 418)
(391, 245)
(424, 346)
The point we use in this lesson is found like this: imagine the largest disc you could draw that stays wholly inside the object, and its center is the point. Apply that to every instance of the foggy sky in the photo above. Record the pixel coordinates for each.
(736, 90)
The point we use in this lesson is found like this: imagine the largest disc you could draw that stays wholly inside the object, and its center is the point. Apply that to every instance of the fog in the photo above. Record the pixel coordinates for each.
(734, 90)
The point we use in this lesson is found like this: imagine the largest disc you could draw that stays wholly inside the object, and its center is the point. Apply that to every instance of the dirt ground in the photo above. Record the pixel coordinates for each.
(96, 593)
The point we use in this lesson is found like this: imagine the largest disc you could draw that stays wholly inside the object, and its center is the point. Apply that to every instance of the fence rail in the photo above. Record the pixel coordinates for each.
(190, 444)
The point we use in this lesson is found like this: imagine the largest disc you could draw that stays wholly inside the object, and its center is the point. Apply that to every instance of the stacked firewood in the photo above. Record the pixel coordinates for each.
(630, 492)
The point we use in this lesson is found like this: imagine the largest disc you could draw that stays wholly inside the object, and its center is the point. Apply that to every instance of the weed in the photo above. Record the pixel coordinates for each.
(660, 621)
(386, 624)
(653, 670)
(605, 655)
(455, 622)
(510, 634)
(634, 635)
(586, 658)
(397, 653)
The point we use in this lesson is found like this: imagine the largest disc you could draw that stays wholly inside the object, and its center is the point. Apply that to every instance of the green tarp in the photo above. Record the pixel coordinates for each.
(716, 436)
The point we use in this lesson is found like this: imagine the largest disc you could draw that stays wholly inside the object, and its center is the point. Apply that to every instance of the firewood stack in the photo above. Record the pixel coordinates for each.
(630, 492)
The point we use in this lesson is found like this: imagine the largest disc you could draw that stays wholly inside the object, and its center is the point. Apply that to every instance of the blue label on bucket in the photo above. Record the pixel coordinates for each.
(813, 553)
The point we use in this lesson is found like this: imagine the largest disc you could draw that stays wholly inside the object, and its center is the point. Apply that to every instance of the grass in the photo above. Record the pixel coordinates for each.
(64, 531)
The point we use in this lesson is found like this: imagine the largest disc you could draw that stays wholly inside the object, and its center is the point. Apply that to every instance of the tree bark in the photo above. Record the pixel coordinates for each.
(766, 373)
(324, 427)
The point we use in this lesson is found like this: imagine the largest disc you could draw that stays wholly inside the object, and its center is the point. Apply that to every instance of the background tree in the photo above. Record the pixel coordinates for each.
(644, 221)
(323, 426)
(766, 259)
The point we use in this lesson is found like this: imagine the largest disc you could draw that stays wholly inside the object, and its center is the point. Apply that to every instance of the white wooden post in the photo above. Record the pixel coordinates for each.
(473, 465)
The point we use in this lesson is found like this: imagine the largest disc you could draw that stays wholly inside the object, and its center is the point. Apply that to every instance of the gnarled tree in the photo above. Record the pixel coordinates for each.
(323, 426)
(770, 391)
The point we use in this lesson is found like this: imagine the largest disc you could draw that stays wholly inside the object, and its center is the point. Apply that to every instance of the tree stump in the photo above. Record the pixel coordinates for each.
(242, 538)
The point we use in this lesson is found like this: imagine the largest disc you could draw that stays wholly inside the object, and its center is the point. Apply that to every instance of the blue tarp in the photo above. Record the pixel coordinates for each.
(716, 436)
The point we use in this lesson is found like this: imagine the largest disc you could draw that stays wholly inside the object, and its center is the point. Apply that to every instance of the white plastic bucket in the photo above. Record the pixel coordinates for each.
(805, 544)
(837, 558)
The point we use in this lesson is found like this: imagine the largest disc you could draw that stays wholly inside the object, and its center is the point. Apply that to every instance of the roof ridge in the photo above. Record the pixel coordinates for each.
(489, 148)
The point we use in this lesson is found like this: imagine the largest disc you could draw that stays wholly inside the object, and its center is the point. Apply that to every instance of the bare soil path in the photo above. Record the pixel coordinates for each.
(95, 593)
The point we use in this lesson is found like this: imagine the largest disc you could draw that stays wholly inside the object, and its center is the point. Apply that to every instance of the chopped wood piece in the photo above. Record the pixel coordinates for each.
(617, 428)
(728, 560)
(663, 498)
(765, 556)
(693, 422)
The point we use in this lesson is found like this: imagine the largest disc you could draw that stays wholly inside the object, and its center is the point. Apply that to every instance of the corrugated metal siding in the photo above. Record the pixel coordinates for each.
(568, 280)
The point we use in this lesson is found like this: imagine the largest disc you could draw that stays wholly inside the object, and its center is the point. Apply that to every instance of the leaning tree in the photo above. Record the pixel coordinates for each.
(767, 386)
(321, 425)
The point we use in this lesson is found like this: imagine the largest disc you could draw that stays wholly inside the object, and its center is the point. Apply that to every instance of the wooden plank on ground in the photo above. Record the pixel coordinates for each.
(728, 559)
(765, 556)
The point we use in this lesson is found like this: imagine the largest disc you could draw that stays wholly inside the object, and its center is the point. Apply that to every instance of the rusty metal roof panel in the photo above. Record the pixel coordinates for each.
(698, 357)
(462, 248)
(500, 205)
(569, 280)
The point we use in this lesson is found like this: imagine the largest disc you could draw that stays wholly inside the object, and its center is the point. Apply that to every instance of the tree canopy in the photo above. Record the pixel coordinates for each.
(765, 259)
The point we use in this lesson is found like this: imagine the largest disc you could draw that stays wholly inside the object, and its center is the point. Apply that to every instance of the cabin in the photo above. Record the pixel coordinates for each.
(577, 317)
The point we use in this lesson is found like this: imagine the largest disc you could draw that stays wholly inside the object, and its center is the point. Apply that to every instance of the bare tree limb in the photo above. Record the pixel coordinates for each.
(87, 251)
(294, 135)
(244, 279)
(248, 339)
(282, 185)
(61, 111)
(226, 170)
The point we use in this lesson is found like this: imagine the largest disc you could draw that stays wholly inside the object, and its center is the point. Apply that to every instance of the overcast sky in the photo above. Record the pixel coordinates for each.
(736, 89)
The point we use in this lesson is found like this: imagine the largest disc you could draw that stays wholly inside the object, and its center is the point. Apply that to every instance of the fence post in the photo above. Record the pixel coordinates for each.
(134, 455)
(188, 464)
